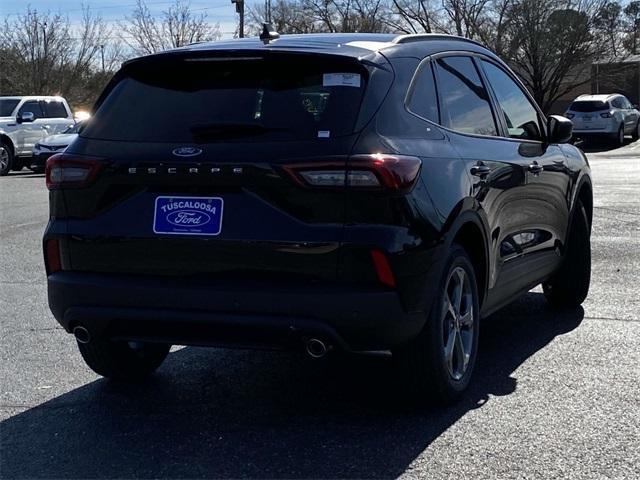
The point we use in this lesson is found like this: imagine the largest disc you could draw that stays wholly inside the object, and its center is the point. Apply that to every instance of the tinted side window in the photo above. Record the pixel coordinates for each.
(617, 103)
(423, 101)
(463, 97)
(54, 109)
(520, 115)
(32, 106)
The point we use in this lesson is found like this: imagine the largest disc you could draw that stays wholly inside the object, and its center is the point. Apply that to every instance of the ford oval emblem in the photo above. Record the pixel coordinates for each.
(187, 151)
(188, 218)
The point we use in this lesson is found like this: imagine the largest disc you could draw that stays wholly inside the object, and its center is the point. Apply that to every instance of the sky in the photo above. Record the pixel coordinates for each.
(222, 11)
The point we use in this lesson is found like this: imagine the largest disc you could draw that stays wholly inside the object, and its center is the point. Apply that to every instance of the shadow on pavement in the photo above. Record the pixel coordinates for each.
(215, 413)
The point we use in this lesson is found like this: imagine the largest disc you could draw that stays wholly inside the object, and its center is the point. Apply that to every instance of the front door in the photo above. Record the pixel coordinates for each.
(30, 132)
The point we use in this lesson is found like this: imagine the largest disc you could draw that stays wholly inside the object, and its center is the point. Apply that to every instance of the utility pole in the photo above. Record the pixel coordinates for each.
(102, 56)
(240, 11)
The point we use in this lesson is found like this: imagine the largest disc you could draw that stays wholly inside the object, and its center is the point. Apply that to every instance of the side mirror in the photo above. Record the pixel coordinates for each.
(560, 129)
(26, 117)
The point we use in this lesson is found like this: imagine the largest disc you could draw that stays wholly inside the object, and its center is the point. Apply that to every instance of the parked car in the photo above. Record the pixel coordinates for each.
(51, 145)
(330, 192)
(608, 115)
(24, 121)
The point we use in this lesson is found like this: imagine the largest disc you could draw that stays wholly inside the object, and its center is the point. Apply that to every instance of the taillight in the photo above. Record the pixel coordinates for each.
(373, 171)
(605, 115)
(569, 115)
(72, 171)
(52, 255)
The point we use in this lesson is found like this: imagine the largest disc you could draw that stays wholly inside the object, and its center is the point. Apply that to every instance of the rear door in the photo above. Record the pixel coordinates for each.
(204, 158)
(498, 182)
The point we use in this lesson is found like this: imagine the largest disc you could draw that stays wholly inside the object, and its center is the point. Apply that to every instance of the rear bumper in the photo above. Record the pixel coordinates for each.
(608, 130)
(184, 311)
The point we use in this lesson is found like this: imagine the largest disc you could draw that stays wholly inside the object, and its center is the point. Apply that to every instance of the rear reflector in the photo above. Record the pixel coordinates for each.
(52, 255)
(383, 269)
(72, 171)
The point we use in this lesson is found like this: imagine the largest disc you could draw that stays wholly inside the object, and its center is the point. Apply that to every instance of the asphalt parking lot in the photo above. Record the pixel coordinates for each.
(555, 395)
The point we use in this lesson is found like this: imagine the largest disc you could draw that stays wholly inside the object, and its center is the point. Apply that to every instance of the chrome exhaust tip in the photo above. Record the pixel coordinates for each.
(316, 348)
(82, 334)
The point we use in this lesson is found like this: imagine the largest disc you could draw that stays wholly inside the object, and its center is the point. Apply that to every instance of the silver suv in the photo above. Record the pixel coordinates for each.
(609, 115)
(24, 121)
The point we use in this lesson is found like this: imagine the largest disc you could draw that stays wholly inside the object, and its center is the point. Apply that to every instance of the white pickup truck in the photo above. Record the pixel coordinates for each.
(24, 121)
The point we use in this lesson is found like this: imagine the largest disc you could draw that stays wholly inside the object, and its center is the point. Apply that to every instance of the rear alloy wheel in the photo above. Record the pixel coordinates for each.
(123, 360)
(436, 367)
(6, 159)
(636, 133)
(568, 288)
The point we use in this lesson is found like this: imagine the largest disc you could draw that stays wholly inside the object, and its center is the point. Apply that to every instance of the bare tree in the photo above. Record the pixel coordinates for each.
(42, 54)
(552, 48)
(179, 25)
(632, 27)
(414, 16)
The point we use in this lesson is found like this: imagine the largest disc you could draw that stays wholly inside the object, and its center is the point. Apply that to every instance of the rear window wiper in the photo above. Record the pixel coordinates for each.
(229, 130)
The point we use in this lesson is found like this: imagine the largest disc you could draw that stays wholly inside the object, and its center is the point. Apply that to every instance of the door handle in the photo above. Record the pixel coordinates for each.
(536, 168)
(480, 170)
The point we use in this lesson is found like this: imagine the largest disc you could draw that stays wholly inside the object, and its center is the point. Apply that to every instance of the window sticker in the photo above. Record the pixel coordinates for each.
(341, 80)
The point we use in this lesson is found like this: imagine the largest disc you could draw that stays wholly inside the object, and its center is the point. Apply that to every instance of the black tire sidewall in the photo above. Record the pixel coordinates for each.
(421, 362)
(457, 258)
(11, 160)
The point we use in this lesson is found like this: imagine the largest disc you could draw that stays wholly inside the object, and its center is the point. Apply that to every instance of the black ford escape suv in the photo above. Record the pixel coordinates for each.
(354, 192)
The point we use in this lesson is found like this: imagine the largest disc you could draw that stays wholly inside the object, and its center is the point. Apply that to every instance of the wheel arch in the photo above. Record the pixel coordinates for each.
(585, 195)
(7, 140)
(468, 231)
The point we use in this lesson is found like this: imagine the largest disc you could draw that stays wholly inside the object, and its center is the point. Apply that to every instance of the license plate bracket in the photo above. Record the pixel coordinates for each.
(177, 215)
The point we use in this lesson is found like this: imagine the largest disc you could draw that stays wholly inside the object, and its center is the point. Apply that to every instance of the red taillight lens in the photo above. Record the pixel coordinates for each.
(374, 171)
(383, 269)
(72, 171)
(52, 255)
(394, 172)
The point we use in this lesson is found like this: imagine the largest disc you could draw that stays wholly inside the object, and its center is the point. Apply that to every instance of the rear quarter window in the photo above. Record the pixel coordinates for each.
(423, 100)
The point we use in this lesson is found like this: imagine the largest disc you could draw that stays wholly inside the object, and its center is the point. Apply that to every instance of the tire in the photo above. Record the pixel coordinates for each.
(618, 139)
(6, 159)
(123, 360)
(429, 374)
(636, 133)
(568, 288)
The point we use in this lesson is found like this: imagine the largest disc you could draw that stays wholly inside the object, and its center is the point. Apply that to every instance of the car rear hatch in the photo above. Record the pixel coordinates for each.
(194, 166)
(588, 114)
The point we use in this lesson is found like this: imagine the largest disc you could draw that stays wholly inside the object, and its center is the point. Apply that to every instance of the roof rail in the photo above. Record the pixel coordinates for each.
(419, 37)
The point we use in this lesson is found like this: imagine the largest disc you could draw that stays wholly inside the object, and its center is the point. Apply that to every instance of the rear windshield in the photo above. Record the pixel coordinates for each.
(251, 99)
(588, 106)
